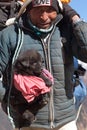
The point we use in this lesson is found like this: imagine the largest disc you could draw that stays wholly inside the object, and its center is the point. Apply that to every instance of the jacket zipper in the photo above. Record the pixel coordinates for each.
(46, 49)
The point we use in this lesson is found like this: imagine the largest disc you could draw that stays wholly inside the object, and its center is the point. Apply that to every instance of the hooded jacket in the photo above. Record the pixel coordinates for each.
(58, 51)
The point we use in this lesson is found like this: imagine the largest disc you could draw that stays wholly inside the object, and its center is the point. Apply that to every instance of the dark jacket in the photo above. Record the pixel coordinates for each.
(64, 42)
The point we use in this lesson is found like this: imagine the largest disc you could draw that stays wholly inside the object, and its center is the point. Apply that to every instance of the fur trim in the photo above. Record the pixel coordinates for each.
(10, 21)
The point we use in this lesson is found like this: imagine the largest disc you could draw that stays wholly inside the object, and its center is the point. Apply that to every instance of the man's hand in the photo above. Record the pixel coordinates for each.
(69, 14)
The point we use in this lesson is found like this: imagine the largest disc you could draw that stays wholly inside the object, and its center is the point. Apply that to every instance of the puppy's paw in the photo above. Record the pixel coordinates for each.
(28, 116)
(48, 82)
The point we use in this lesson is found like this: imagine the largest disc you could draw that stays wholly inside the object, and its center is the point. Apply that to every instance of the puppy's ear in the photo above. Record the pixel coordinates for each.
(25, 63)
(20, 64)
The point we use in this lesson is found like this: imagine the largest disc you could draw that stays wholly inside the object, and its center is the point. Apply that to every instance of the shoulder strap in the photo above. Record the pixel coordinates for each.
(19, 44)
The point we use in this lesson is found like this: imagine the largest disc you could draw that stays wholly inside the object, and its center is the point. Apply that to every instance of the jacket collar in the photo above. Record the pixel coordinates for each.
(29, 26)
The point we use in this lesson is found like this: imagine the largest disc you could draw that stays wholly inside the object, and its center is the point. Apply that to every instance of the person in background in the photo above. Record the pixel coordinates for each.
(8, 9)
(80, 88)
(58, 33)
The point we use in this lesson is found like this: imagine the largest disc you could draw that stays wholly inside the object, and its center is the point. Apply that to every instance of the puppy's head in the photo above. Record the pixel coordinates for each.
(29, 63)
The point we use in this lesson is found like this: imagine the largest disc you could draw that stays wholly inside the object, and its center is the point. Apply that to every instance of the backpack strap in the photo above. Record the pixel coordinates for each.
(19, 44)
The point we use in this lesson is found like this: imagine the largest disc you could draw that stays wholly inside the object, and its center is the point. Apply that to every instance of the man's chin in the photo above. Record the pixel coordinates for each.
(44, 26)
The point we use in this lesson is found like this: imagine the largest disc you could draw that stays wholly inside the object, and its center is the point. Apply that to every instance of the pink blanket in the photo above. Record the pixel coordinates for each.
(32, 86)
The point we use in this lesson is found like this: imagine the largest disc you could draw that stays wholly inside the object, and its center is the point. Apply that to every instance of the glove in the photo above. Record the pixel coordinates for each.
(68, 12)
(2, 91)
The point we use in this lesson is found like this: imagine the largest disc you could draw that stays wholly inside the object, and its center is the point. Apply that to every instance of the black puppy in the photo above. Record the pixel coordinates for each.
(30, 63)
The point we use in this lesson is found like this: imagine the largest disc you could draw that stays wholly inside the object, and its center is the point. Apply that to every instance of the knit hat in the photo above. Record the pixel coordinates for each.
(29, 4)
(53, 3)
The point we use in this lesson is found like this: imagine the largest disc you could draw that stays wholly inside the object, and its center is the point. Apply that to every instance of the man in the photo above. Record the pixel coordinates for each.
(57, 32)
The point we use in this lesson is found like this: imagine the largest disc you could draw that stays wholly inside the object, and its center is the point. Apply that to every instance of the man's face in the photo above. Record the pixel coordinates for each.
(42, 17)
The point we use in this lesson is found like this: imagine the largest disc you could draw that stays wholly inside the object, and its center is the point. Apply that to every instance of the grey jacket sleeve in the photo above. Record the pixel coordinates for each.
(5, 56)
(8, 41)
(79, 40)
(4, 51)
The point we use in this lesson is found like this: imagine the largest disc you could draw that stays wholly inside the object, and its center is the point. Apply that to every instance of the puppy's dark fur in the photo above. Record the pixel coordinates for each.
(29, 63)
